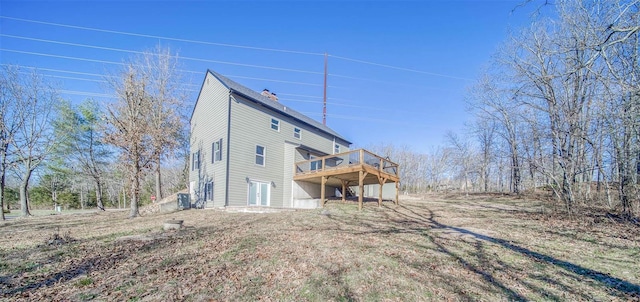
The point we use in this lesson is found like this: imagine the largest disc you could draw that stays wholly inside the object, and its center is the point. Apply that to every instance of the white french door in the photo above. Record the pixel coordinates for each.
(258, 193)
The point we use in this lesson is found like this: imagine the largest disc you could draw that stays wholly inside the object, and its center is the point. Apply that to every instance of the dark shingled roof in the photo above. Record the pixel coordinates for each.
(259, 98)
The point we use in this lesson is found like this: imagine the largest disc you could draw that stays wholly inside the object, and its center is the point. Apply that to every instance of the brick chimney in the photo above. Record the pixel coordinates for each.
(270, 95)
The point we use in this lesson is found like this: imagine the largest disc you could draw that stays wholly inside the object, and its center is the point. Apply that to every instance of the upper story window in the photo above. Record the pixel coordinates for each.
(260, 155)
(195, 160)
(336, 149)
(216, 154)
(297, 133)
(275, 124)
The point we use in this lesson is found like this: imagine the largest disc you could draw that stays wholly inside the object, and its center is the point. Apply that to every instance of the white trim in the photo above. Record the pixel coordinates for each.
(276, 124)
(299, 133)
(264, 156)
(259, 182)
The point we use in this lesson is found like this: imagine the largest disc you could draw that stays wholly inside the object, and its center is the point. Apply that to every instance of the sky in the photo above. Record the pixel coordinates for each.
(398, 71)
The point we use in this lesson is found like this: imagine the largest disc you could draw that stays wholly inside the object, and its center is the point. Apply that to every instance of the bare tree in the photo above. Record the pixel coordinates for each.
(485, 130)
(160, 68)
(437, 168)
(129, 128)
(11, 119)
(566, 98)
(461, 157)
(494, 104)
(619, 50)
(26, 126)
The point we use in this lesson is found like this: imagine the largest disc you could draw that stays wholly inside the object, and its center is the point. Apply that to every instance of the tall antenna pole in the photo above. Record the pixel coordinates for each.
(324, 96)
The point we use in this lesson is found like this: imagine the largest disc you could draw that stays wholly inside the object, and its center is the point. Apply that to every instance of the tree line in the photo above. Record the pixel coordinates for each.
(557, 110)
(88, 154)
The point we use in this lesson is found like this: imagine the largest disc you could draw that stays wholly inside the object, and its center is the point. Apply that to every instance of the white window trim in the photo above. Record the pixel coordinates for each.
(217, 153)
(264, 156)
(299, 133)
(276, 124)
(197, 160)
(336, 148)
(258, 182)
(209, 196)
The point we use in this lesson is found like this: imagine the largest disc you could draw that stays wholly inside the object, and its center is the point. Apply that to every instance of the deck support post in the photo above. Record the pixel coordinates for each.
(344, 190)
(382, 181)
(360, 189)
(397, 184)
(323, 190)
(397, 189)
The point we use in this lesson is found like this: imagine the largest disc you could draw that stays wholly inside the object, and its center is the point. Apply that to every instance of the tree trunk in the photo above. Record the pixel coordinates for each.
(158, 180)
(99, 194)
(2, 184)
(24, 201)
(135, 189)
(81, 197)
(515, 171)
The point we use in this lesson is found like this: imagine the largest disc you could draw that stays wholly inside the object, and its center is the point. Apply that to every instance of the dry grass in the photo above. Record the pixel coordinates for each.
(479, 248)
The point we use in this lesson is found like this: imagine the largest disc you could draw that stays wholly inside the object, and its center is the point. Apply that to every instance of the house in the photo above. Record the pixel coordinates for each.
(247, 149)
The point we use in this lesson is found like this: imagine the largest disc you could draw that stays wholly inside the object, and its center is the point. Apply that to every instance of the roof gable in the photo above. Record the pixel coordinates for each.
(276, 106)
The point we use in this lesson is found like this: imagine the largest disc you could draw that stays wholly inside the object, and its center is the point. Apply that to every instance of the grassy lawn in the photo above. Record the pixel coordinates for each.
(478, 248)
(16, 213)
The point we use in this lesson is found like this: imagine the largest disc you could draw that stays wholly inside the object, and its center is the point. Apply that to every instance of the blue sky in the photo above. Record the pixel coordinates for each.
(435, 50)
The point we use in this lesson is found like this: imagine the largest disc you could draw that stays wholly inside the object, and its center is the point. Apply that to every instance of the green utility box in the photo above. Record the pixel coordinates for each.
(184, 202)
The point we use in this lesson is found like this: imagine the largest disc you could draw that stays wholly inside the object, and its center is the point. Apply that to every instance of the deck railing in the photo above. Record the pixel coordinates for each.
(344, 160)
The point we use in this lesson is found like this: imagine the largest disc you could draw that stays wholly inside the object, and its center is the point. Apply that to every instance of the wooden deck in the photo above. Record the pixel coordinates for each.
(347, 169)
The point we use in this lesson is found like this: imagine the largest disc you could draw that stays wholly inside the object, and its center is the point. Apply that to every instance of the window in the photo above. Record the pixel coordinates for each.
(336, 149)
(297, 133)
(216, 151)
(260, 155)
(315, 165)
(275, 124)
(195, 160)
(208, 191)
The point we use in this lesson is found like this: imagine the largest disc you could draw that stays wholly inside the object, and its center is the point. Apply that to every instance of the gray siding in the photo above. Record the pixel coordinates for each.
(209, 124)
(250, 125)
(287, 179)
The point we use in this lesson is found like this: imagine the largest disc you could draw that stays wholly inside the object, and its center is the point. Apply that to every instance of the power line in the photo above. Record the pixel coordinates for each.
(57, 70)
(73, 92)
(175, 57)
(102, 81)
(61, 57)
(73, 78)
(400, 68)
(117, 63)
(162, 37)
(384, 82)
(272, 80)
(301, 95)
(237, 46)
(80, 73)
(354, 118)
